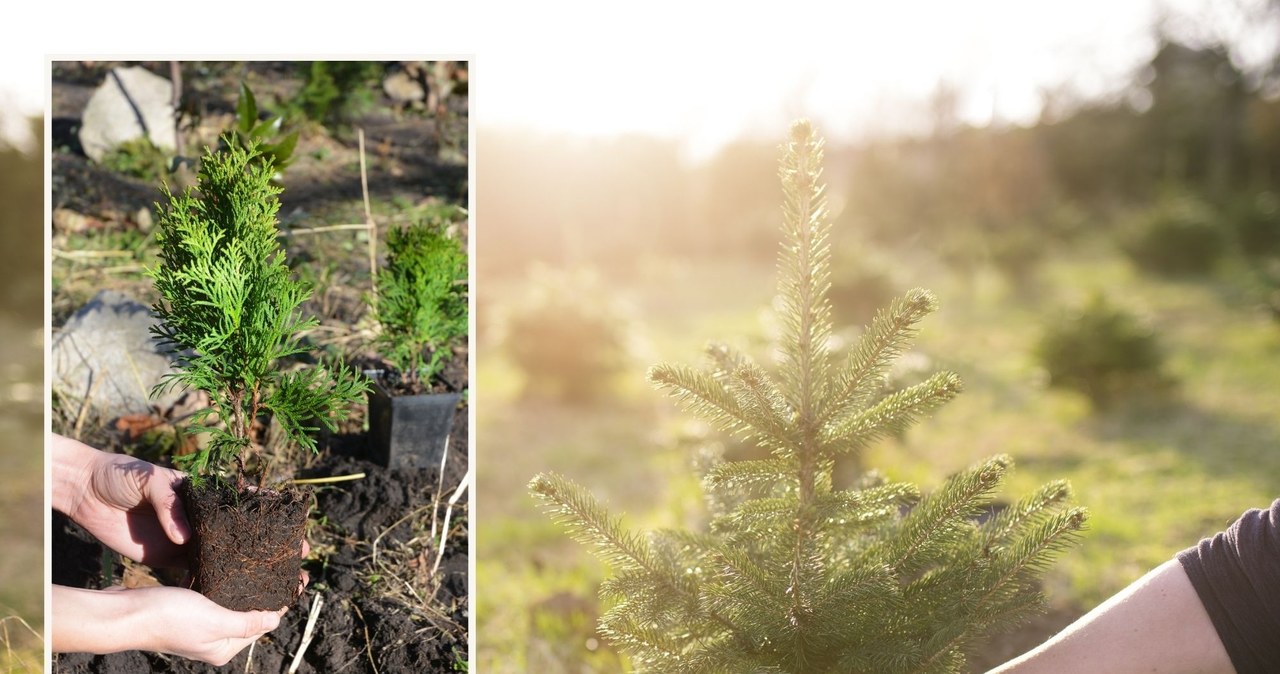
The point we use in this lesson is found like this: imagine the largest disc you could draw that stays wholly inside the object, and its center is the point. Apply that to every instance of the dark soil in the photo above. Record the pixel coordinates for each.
(246, 551)
(369, 622)
(452, 379)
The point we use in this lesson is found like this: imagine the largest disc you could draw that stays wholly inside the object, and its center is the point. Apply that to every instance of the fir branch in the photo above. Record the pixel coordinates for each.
(1032, 554)
(804, 272)
(942, 515)
(1025, 512)
(760, 400)
(860, 508)
(893, 414)
(725, 358)
(654, 649)
(760, 514)
(889, 335)
(853, 596)
(590, 524)
(739, 475)
(740, 577)
(704, 395)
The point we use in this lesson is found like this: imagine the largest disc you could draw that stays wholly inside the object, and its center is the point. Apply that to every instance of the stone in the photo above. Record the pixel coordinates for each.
(131, 103)
(143, 219)
(402, 88)
(106, 354)
(67, 221)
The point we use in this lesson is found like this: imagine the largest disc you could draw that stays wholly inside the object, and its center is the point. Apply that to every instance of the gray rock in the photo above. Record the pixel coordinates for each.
(403, 88)
(130, 103)
(106, 353)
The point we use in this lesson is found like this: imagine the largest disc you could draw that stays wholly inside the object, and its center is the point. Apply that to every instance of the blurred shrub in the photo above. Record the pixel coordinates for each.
(860, 285)
(1179, 235)
(1264, 286)
(139, 158)
(564, 636)
(567, 335)
(333, 91)
(1018, 252)
(1256, 222)
(1103, 352)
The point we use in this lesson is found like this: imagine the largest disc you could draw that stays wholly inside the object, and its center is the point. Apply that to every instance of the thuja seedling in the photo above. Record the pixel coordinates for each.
(422, 300)
(230, 309)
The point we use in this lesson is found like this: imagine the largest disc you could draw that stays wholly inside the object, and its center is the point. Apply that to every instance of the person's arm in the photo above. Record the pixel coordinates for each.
(164, 619)
(1157, 624)
(126, 503)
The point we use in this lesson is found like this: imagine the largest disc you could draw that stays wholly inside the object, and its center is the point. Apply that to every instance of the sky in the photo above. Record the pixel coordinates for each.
(703, 73)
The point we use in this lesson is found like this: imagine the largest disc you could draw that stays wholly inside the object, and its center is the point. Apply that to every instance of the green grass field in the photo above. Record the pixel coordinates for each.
(22, 497)
(1156, 474)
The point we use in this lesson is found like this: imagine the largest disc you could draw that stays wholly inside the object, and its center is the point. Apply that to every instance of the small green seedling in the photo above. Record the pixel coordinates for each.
(422, 300)
(266, 133)
(230, 309)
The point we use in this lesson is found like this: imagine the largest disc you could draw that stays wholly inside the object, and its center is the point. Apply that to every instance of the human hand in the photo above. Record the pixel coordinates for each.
(185, 623)
(126, 503)
(165, 619)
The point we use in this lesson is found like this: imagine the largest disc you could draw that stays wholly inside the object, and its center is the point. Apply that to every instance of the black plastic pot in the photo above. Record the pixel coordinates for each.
(408, 431)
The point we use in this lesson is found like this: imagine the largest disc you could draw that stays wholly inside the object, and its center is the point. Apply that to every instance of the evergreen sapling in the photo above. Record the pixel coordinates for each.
(422, 301)
(231, 310)
(793, 574)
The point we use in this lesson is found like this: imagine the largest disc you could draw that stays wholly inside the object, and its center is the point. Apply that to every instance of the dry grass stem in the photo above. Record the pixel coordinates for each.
(448, 513)
(308, 632)
(84, 407)
(373, 229)
(444, 456)
(89, 254)
(327, 480)
(368, 643)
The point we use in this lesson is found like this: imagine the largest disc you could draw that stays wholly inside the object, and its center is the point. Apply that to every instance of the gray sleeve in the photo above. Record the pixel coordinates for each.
(1237, 576)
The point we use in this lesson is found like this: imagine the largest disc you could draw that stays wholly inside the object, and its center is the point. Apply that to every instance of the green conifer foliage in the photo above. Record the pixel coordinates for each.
(422, 299)
(231, 309)
(794, 575)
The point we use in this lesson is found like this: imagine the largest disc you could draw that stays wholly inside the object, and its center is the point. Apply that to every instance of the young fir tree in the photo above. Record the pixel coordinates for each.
(794, 575)
(231, 310)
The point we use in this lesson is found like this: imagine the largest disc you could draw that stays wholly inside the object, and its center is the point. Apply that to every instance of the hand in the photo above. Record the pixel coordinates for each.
(185, 623)
(165, 619)
(126, 503)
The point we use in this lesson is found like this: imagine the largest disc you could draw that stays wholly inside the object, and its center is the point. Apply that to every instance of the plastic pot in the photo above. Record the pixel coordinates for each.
(408, 431)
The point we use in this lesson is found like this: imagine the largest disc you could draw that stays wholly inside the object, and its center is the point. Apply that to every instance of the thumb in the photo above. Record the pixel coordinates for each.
(260, 622)
(168, 507)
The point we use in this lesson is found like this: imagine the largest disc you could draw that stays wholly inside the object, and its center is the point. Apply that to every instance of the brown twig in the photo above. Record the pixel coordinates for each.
(368, 643)
(175, 74)
(84, 407)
